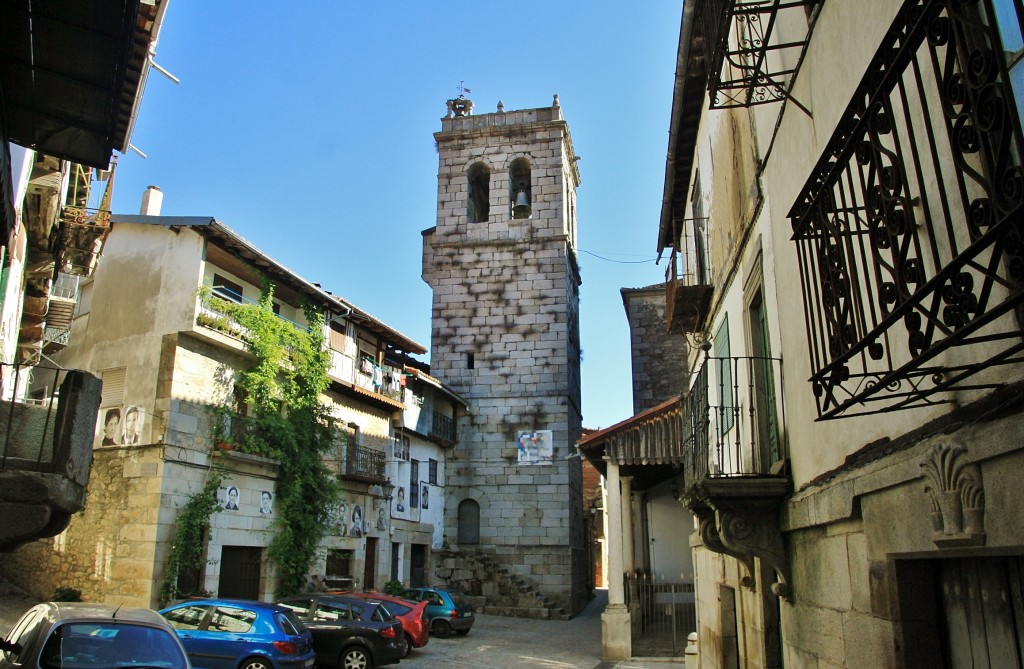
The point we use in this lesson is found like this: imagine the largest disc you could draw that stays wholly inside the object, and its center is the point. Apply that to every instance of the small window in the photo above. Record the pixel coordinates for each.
(470, 361)
(113, 386)
(187, 617)
(414, 484)
(432, 477)
(231, 619)
(227, 289)
(332, 612)
(478, 202)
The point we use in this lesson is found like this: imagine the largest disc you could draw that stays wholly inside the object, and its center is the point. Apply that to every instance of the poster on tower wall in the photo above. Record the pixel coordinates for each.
(534, 448)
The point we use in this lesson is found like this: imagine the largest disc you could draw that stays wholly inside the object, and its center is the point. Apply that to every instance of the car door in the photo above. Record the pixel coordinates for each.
(325, 627)
(186, 621)
(223, 639)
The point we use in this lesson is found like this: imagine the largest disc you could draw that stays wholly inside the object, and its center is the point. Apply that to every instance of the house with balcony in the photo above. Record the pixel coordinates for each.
(154, 324)
(842, 252)
(72, 77)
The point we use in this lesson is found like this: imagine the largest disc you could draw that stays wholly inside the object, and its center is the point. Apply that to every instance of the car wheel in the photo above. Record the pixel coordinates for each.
(355, 657)
(462, 632)
(440, 627)
(255, 663)
(408, 645)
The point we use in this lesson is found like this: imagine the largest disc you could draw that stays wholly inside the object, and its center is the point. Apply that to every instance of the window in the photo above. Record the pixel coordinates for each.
(187, 617)
(469, 522)
(231, 619)
(432, 477)
(227, 289)
(332, 612)
(24, 633)
(723, 377)
(470, 361)
(113, 387)
(519, 184)
(478, 202)
(414, 484)
(339, 562)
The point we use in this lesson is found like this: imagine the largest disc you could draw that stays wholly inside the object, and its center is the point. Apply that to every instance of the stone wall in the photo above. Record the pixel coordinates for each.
(660, 370)
(506, 337)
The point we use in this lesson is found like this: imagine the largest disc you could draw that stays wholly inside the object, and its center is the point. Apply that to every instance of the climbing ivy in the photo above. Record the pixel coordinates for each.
(190, 528)
(285, 386)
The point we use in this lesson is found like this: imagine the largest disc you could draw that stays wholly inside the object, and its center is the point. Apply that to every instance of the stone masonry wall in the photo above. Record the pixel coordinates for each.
(660, 370)
(506, 336)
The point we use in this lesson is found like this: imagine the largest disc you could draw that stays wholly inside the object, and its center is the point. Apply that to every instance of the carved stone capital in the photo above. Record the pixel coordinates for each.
(956, 494)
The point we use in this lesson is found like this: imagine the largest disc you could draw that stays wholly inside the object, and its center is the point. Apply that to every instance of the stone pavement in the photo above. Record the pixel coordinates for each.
(495, 642)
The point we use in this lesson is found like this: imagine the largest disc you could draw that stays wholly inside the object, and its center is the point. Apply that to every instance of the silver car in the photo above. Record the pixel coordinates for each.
(59, 635)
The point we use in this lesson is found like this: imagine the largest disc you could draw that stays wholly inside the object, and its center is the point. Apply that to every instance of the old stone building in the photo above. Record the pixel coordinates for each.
(503, 268)
(155, 324)
(658, 357)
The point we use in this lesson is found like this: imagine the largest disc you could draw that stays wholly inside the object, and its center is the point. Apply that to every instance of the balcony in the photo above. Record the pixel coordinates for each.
(687, 294)
(82, 233)
(908, 232)
(46, 450)
(442, 427)
(735, 460)
(753, 47)
(360, 463)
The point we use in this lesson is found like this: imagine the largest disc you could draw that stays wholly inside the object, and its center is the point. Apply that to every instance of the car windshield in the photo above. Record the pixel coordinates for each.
(110, 645)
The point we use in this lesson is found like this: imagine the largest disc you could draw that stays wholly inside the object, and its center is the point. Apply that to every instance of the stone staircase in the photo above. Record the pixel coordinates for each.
(491, 588)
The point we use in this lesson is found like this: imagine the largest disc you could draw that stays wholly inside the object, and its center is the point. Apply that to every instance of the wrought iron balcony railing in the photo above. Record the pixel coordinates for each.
(732, 419)
(910, 229)
(360, 463)
(443, 427)
(753, 48)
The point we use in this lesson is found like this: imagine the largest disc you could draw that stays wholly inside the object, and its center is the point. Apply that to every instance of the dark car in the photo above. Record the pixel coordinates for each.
(85, 636)
(349, 633)
(241, 634)
(447, 610)
(412, 615)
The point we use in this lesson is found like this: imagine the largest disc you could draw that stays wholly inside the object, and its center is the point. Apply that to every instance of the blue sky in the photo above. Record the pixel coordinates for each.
(308, 129)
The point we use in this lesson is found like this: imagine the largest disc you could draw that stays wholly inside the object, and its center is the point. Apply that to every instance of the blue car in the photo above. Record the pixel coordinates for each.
(447, 610)
(241, 634)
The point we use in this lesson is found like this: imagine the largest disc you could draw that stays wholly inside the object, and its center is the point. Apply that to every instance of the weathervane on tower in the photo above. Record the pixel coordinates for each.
(461, 106)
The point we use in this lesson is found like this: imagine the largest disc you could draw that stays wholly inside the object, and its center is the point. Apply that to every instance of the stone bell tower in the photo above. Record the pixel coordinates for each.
(502, 265)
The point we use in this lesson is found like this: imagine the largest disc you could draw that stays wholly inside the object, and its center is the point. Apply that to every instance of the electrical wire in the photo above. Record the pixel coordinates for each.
(621, 262)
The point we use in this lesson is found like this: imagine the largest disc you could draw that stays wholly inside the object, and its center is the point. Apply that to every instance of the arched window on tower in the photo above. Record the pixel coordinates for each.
(478, 205)
(520, 194)
(469, 522)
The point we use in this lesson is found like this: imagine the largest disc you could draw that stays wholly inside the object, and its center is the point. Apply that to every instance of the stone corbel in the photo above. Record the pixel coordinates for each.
(957, 496)
(711, 538)
(740, 518)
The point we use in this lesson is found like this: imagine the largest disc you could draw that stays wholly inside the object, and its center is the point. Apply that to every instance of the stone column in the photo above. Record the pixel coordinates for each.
(629, 546)
(616, 636)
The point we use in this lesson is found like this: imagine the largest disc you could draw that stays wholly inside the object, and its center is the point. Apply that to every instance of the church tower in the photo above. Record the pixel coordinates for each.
(502, 265)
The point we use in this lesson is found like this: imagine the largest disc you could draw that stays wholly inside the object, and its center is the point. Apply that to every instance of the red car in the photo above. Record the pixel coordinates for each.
(412, 614)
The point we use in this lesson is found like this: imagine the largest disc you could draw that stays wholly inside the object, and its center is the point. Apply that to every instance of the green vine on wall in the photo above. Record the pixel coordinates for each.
(285, 386)
(190, 529)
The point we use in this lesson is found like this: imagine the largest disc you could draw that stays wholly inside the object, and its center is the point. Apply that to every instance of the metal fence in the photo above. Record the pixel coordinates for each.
(663, 615)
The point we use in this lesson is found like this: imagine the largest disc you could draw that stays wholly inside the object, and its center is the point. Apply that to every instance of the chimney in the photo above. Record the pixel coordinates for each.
(152, 200)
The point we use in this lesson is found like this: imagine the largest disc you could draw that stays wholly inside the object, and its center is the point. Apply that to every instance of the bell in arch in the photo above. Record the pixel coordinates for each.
(521, 209)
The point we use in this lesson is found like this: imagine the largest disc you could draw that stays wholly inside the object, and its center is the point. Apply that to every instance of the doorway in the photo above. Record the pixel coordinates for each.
(370, 564)
(240, 568)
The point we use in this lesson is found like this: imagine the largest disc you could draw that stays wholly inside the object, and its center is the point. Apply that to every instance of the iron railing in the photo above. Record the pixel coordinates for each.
(910, 229)
(732, 418)
(361, 463)
(752, 49)
(28, 427)
(442, 426)
(664, 613)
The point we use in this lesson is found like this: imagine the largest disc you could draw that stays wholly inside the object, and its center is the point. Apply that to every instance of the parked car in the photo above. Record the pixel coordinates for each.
(447, 610)
(349, 633)
(241, 634)
(412, 615)
(76, 635)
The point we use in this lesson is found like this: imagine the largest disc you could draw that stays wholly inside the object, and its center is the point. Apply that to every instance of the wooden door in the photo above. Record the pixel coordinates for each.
(370, 565)
(240, 572)
(983, 612)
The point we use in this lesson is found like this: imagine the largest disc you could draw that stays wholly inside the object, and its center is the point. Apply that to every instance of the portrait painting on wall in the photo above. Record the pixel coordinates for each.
(231, 496)
(132, 419)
